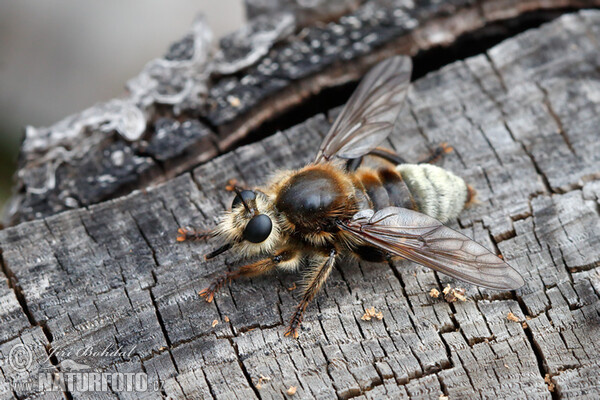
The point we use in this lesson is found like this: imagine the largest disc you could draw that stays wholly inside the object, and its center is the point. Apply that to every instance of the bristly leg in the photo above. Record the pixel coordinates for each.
(193, 234)
(354, 163)
(386, 154)
(218, 251)
(259, 267)
(437, 154)
(315, 281)
(391, 156)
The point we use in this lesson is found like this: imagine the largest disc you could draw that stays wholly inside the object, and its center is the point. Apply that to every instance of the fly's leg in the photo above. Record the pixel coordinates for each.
(314, 282)
(353, 164)
(190, 234)
(437, 154)
(286, 256)
(389, 155)
(380, 152)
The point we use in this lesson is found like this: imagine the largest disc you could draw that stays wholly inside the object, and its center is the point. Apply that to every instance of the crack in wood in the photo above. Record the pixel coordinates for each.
(476, 37)
(14, 286)
(556, 118)
(13, 283)
(421, 346)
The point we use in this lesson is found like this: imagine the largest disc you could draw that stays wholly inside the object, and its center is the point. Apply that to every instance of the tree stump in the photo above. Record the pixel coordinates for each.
(523, 119)
(186, 107)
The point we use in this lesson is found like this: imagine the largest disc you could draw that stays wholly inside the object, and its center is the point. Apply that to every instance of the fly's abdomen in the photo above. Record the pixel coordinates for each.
(384, 187)
(422, 187)
(436, 192)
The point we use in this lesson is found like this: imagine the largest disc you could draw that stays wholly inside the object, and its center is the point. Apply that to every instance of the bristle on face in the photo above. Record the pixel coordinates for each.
(232, 224)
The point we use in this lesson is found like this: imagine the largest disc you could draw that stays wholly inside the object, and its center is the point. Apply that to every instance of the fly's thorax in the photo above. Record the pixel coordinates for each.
(233, 223)
(436, 192)
(311, 199)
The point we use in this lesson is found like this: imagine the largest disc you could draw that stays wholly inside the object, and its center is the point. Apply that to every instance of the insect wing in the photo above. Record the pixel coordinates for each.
(425, 240)
(369, 116)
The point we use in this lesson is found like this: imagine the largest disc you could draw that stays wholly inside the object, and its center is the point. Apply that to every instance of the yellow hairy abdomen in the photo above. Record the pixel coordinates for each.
(437, 192)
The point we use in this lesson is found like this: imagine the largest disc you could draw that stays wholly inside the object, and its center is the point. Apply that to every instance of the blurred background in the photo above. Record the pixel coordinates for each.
(61, 56)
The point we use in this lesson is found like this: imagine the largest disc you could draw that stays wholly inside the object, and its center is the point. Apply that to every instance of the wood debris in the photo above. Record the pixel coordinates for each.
(512, 317)
(451, 295)
(460, 294)
(261, 380)
(292, 287)
(549, 382)
(226, 318)
(215, 323)
(231, 184)
(292, 390)
(234, 101)
(434, 293)
(372, 313)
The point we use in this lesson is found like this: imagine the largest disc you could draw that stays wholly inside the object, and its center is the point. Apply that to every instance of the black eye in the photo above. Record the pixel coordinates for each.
(258, 229)
(247, 195)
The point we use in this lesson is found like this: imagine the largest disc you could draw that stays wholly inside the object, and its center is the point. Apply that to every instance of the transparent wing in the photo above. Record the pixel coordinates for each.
(425, 240)
(368, 117)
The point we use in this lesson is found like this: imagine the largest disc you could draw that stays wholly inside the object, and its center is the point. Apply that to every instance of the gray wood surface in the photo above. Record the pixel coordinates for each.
(188, 107)
(524, 119)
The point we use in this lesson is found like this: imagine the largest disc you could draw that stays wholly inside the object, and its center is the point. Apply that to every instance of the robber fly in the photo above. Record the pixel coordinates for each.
(312, 216)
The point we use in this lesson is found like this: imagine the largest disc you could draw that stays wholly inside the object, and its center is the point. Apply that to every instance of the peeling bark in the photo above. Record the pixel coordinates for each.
(523, 121)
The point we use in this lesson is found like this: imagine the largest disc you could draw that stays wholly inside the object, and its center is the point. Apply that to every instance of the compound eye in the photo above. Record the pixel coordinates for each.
(258, 229)
(247, 195)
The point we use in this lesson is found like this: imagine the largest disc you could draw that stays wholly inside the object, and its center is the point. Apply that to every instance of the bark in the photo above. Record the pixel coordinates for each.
(523, 119)
(187, 107)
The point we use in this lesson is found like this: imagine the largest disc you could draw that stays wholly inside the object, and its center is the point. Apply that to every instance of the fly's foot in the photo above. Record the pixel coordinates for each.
(294, 325)
(231, 185)
(192, 234)
(213, 288)
(234, 185)
(292, 331)
(438, 153)
(445, 148)
(208, 294)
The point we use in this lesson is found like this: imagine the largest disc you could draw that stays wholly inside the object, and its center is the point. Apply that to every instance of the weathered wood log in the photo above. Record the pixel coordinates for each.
(523, 119)
(187, 107)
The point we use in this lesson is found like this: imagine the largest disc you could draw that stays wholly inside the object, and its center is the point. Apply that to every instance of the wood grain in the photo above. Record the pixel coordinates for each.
(95, 165)
(523, 121)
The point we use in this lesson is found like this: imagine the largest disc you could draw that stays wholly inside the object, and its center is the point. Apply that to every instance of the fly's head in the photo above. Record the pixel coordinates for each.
(252, 226)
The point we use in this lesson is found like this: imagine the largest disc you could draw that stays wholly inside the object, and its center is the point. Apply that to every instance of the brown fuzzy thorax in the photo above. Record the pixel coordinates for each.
(311, 199)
